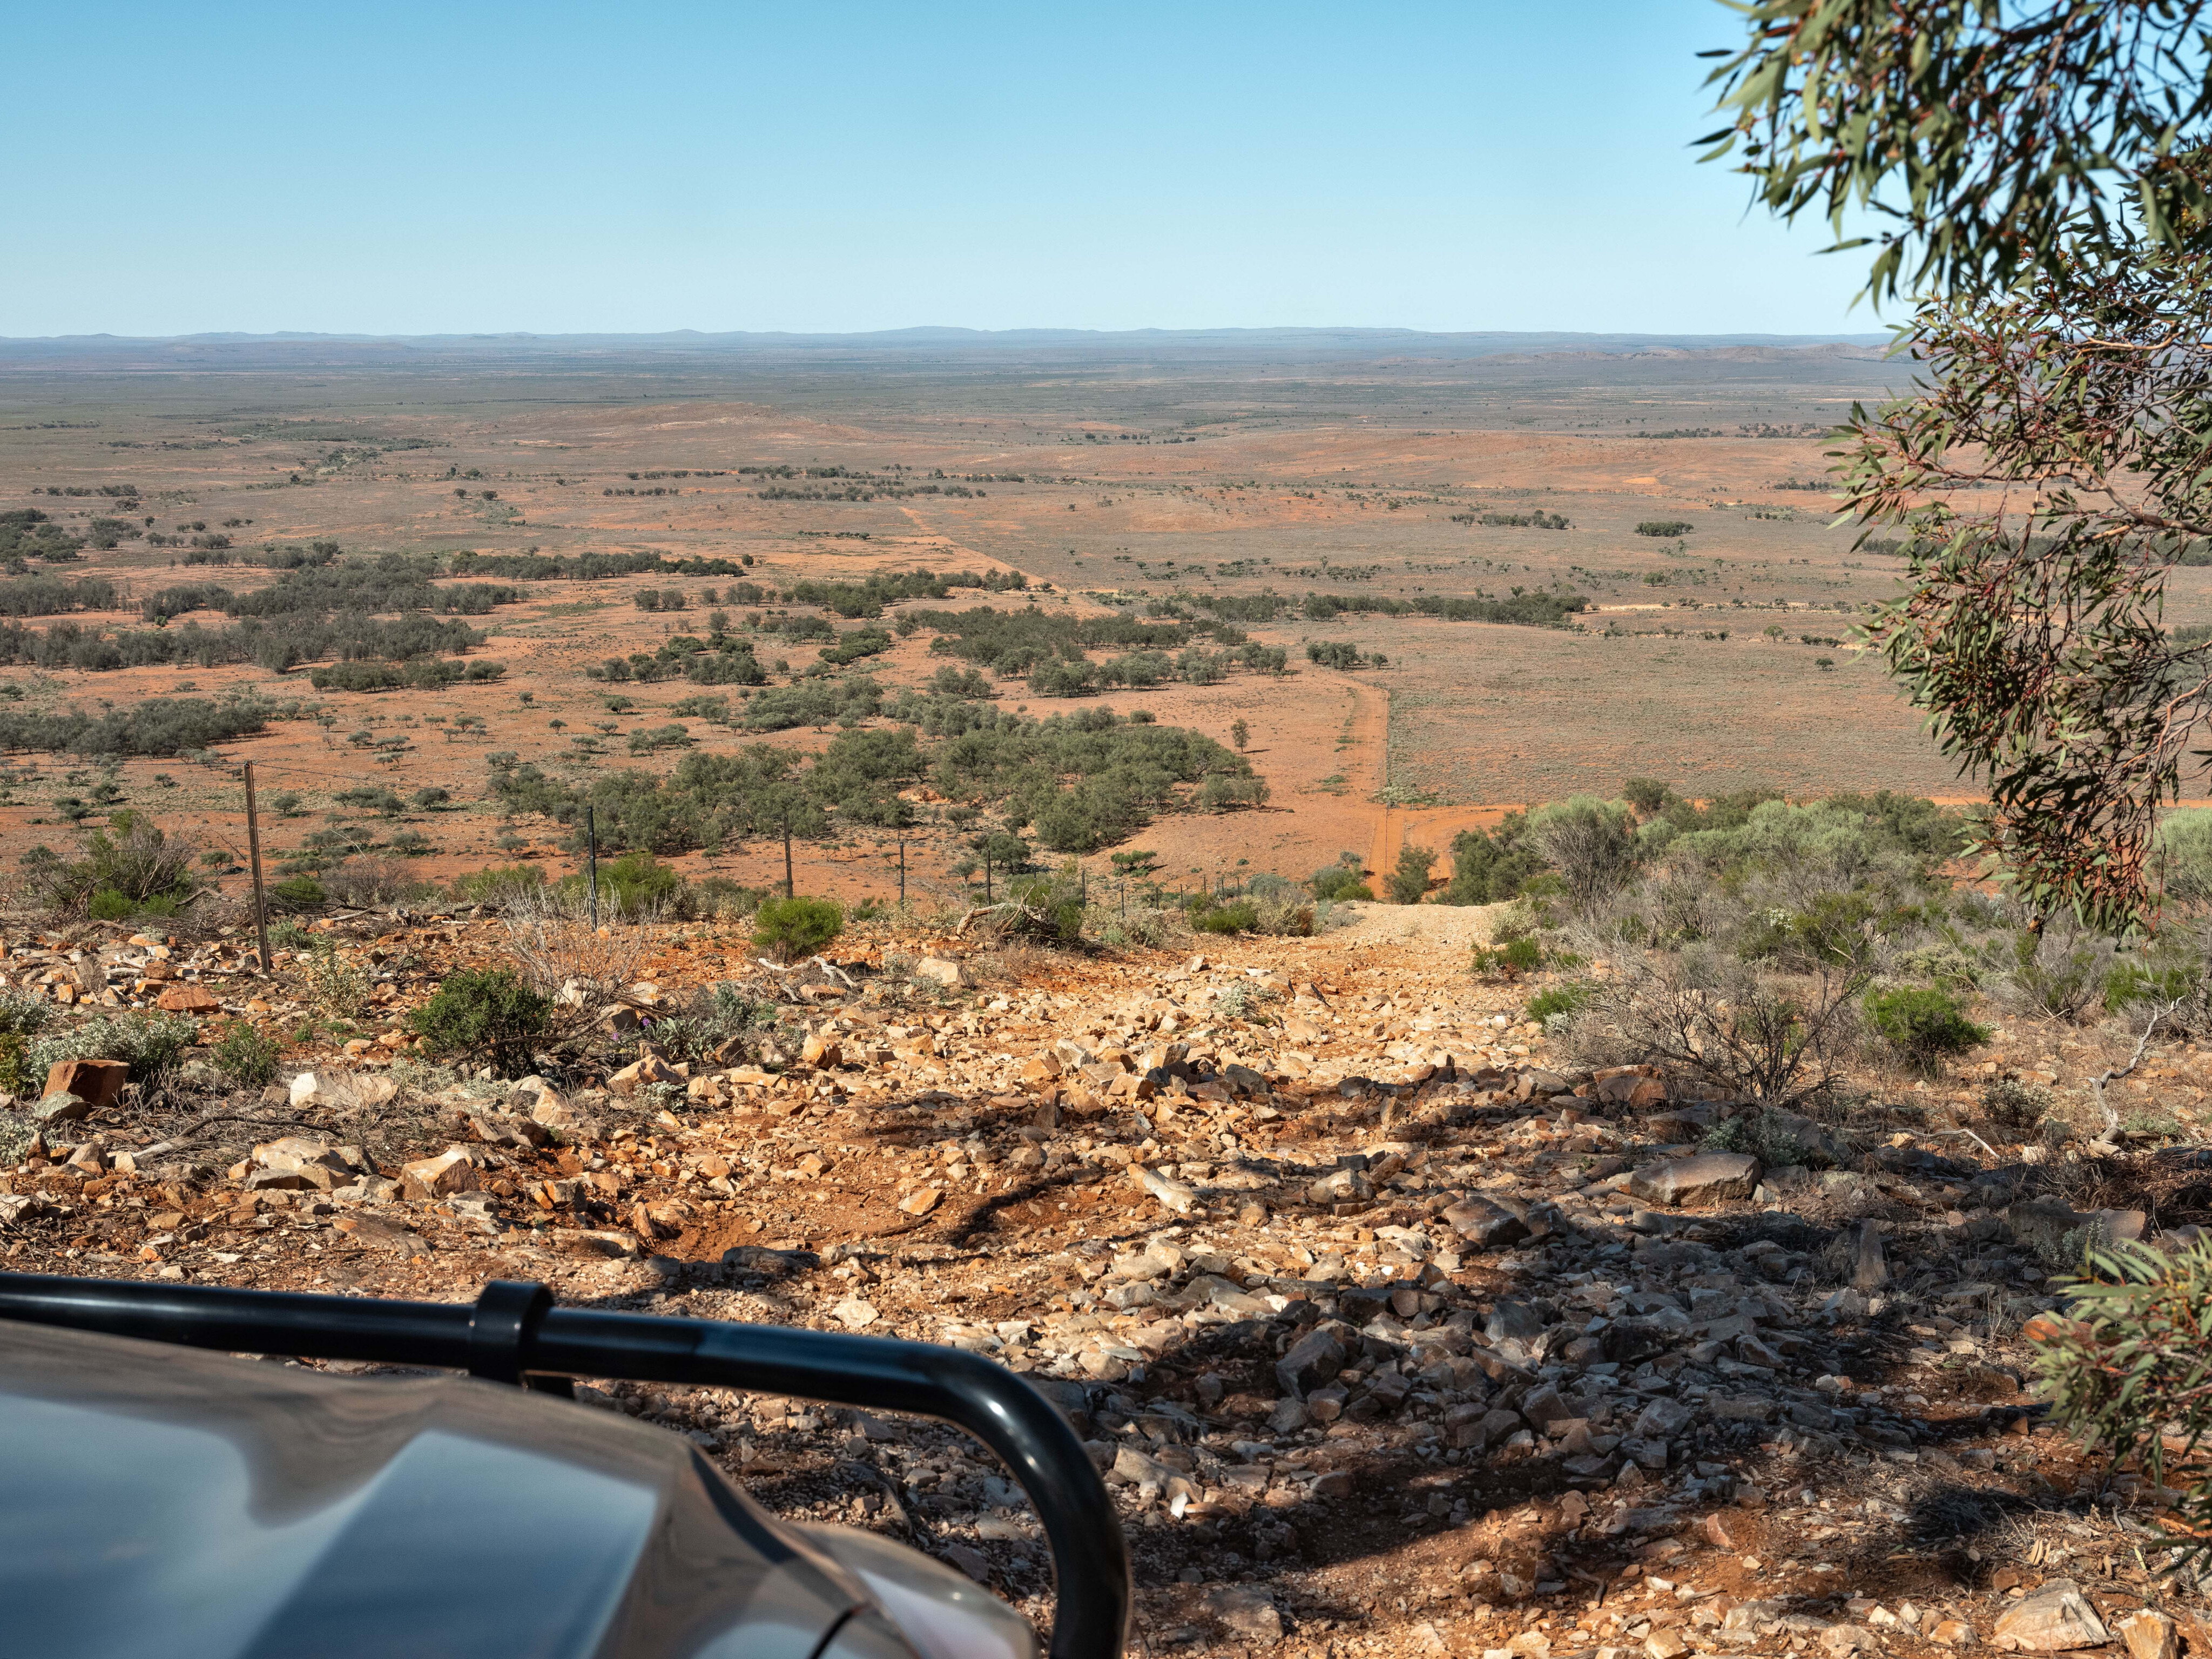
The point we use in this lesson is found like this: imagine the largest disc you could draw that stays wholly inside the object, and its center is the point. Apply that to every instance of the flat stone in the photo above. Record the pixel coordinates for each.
(187, 1000)
(2055, 1619)
(1702, 1178)
(1247, 1610)
(941, 970)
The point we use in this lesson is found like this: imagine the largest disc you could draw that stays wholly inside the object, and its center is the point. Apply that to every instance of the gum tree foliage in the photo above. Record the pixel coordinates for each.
(2035, 176)
(1980, 139)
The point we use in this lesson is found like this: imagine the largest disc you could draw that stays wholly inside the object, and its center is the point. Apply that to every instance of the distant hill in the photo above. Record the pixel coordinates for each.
(1307, 342)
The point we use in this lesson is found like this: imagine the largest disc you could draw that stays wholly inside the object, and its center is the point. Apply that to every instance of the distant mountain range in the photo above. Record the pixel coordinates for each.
(1300, 341)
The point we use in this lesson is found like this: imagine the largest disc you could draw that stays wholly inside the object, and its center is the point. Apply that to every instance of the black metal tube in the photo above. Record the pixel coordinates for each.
(1091, 1561)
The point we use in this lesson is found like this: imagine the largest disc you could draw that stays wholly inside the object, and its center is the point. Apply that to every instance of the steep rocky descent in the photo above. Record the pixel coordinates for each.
(1388, 1336)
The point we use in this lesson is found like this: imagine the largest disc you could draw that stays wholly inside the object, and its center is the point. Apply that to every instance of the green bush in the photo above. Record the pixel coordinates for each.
(716, 1026)
(1409, 882)
(247, 1057)
(1557, 999)
(1491, 866)
(488, 1017)
(2183, 849)
(1923, 1024)
(132, 860)
(1513, 956)
(2124, 1372)
(1340, 880)
(301, 890)
(1591, 843)
(1240, 917)
(796, 927)
(1665, 527)
(634, 884)
(497, 883)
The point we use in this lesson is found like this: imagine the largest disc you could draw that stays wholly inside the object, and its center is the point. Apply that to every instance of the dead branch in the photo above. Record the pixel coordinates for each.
(2104, 1143)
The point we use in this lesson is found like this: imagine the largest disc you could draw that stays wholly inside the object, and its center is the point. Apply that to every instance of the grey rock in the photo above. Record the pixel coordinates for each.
(2055, 1619)
(1484, 1223)
(61, 1107)
(1662, 1419)
(1705, 1177)
(1313, 1359)
(1247, 1610)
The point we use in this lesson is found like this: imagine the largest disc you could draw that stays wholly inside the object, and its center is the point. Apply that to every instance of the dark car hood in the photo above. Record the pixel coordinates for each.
(156, 1500)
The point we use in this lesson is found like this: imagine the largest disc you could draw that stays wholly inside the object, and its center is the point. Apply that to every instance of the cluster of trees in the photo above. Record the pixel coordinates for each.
(1082, 781)
(392, 582)
(1539, 607)
(867, 598)
(1010, 642)
(1539, 520)
(1342, 654)
(593, 567)
(270, 558)
(274, 646)
(1666, 527)
(161, 726)
(50, 596)
(26, 533)
(422, 674)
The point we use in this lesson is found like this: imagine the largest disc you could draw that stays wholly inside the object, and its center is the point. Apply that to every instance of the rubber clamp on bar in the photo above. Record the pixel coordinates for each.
(502, 1325)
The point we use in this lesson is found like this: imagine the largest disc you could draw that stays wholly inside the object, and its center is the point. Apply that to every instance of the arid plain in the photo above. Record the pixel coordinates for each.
(1114, 474)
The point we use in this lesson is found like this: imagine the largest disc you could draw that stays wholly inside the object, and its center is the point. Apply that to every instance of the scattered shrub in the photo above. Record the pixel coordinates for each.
(247, 1057)
(1923, 1024)
(1669, 528)
(1555, 1000)
(796, 927)
(1491, 866)
(127, 868)
(486, 1017)
(300, 891)
(1239, 916)
(1510, 957)
(337, 988)
(1341, 880)
(496, 883)
(1590, 843)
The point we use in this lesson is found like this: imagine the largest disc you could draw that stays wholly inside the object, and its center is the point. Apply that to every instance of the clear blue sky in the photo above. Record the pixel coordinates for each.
(415, 168)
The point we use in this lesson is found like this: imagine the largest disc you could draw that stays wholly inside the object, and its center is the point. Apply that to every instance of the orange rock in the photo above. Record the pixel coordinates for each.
(187, 1000)
(95, 1082)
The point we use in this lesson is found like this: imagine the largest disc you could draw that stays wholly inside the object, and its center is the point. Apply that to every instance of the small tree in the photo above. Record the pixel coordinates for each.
(1239, 734)
(1409, 882)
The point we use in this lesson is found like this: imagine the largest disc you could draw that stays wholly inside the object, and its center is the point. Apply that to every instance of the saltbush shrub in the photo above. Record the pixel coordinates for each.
(1238, 916)
(247, 1057)
(1554, 1000)
(797, 926)
(152, 1045)
(487, 1017)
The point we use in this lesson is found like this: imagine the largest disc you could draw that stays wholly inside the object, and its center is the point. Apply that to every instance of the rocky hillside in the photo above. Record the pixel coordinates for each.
(1393, 1334)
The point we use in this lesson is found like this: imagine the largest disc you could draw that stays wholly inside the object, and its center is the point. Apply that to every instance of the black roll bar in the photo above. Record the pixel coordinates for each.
(512, 1333)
